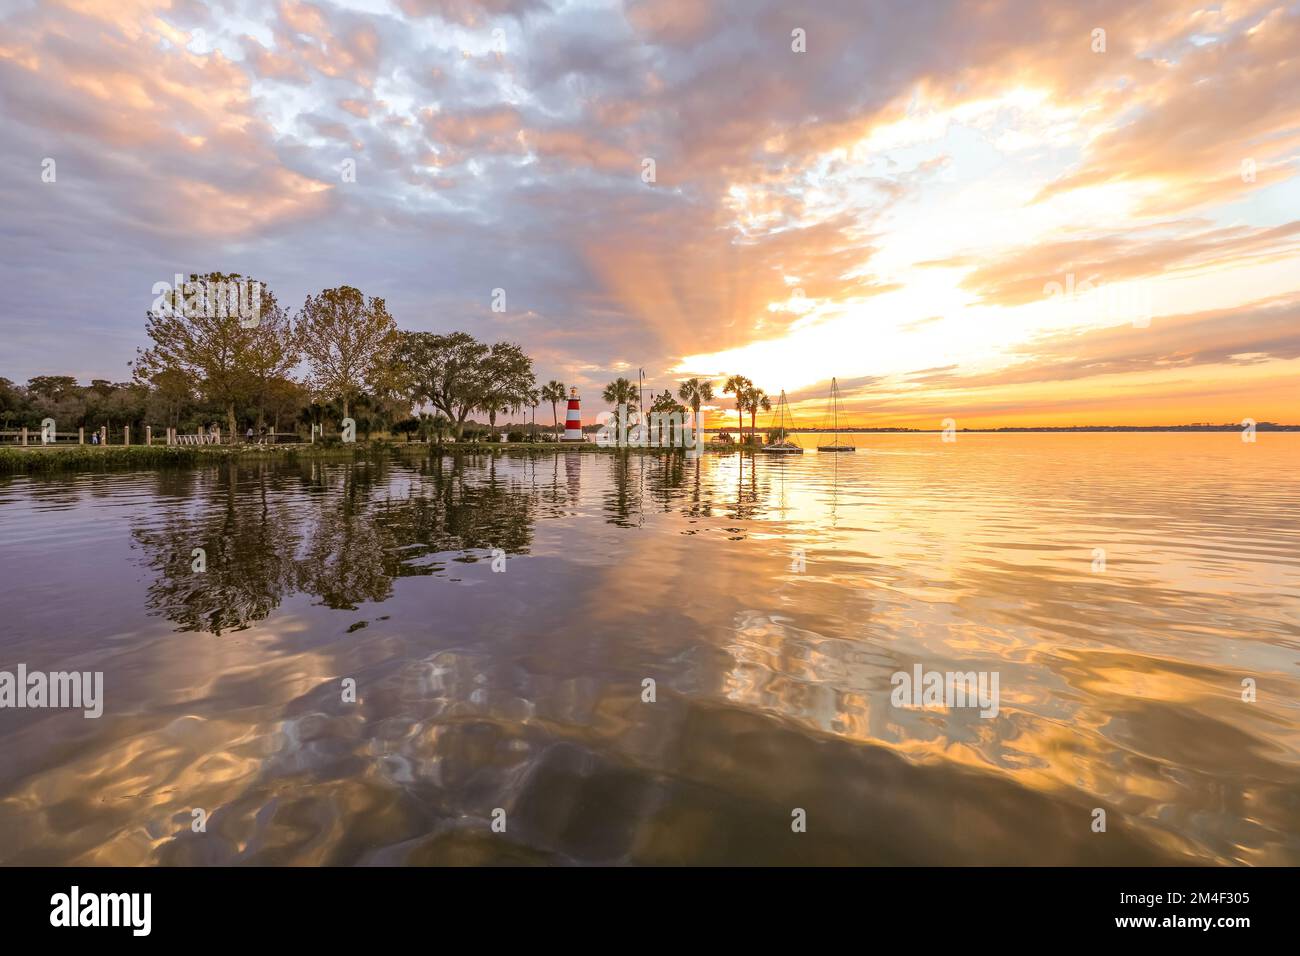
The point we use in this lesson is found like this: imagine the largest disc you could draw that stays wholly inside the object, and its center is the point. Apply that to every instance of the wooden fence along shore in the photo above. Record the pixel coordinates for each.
(25, 437)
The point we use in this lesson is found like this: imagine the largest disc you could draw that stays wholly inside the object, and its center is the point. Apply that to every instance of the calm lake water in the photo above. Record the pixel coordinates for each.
(522, 689)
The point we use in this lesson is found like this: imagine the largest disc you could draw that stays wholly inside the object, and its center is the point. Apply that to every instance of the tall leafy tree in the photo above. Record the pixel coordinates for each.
(283, 399)
(508, 380)
(274, 359)
(447, 371)
(13, 403)
(55, 396)
(348, 341)
(209, 345)
(126, 404)
(52, 387)
(173, 393)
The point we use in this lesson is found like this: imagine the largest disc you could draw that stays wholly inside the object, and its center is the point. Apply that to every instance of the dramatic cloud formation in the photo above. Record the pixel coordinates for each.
(1014, 213)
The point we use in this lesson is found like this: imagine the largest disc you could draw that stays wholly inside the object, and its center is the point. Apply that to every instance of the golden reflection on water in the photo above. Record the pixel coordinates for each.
(522, 690)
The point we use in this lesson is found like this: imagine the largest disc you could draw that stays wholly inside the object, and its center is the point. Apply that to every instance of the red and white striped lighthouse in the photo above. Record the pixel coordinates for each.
(573, 418)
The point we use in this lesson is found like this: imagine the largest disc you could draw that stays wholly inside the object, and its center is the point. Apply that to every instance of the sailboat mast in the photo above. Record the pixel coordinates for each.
(781, 443)
(834, 444)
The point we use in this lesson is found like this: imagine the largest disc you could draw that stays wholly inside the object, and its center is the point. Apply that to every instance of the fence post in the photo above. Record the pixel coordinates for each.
(81, 434)
(148, 434)
(126, 434)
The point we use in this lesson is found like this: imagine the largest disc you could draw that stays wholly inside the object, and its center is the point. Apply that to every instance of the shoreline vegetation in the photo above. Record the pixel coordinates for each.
(16, 460)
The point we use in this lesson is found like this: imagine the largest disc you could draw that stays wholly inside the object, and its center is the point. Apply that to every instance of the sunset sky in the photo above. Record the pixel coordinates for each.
(891, 207)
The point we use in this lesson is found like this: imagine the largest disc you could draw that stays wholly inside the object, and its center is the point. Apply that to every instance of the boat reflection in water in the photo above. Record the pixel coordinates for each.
(501, 615)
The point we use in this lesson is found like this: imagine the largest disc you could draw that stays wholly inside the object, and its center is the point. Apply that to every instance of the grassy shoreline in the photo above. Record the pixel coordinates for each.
(62, 458)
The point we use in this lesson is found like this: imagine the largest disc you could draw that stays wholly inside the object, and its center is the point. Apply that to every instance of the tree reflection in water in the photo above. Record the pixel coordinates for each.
(623, 499)
(249, 534)
(339, 532)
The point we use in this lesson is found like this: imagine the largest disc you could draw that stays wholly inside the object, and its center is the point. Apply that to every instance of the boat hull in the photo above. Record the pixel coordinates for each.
(836, 448)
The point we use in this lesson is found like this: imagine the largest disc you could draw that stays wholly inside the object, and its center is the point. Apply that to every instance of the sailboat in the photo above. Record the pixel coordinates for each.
(835, 421)
(783, 445)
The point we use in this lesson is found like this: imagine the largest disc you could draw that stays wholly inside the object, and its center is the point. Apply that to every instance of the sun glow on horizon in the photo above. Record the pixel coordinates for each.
(969, 300)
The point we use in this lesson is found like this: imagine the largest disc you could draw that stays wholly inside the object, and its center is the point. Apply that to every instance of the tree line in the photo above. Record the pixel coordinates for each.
(340, 356)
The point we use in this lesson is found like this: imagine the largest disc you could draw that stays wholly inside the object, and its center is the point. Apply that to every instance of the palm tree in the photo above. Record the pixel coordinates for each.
(737, 385)
(553, 392)
(509, 381)
(534, 399)
(756, 398)
(695, 392)
(620, 392)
